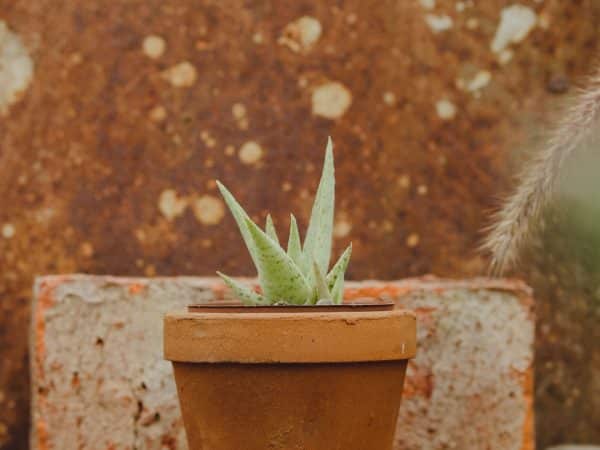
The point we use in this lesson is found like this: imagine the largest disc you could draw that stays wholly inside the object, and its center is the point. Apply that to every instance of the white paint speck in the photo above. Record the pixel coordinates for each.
(351, 18)
(479, 81)
(181, 75)
(209, 210)
(86, 249)
(158, 114)
(544, 20)
(445, 109)
(16, 68)
(427, 4)
(516, 21)
(438, 23)
(404, 181)
(258, 38)
(472, 23)
(505, 56)
(44, 214)
(170, 204)
(331, 100)
(412, 240)
(209, 141)
(250, 152)
(389, 98)
(341, 228)
(238, 110)
(154, 46)
(8, 230)
(302, 34)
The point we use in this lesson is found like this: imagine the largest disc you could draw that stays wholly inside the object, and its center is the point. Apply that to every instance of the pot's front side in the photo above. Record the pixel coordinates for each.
(314, 381)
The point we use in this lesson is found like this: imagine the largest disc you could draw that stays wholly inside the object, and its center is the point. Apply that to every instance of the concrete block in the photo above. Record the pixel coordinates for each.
(99, 381)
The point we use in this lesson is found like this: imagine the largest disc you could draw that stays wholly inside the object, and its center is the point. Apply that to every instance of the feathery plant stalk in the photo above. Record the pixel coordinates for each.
(296, 275)
(514, 224)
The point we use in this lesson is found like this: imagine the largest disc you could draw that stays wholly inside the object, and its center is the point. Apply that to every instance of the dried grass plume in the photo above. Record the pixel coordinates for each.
(514, 223)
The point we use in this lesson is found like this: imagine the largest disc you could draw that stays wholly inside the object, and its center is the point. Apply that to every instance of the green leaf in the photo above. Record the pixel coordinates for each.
(246, 295)
(339, 268)
(294, 246)
(337, 293)
(317, 244)
(240, 217)
(270, 229)
(320, 284)
(280, 278)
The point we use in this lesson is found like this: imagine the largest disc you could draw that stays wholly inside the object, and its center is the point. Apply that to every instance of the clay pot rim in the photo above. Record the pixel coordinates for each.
(279, 336)
(232, 307)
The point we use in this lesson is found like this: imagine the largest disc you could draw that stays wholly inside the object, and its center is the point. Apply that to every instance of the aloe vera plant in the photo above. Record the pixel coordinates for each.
(298, 274)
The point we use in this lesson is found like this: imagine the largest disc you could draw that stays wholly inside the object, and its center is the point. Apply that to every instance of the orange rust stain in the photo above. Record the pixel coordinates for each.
(75, 380)
(136, 288)
(42, 435)
(219, 291)
(47, 289)
(168, 442)
(45, 302)
(418, 385)
(376, 291)
(423, 311)
(529, 425)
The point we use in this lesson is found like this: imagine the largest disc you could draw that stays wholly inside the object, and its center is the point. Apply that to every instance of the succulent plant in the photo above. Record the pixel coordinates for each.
(296, 275)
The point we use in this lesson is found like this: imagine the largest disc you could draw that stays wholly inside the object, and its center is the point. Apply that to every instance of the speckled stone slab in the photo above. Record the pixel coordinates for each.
(99, 380)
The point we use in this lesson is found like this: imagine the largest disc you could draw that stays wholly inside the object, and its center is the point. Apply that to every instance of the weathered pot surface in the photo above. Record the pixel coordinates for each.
(326, 377)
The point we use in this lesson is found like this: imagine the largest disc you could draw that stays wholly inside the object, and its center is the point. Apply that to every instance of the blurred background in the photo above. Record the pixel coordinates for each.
(116, 117)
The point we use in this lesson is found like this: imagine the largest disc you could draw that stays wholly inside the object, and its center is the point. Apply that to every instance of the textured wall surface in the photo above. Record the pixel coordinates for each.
(100, 381)
(116, 116)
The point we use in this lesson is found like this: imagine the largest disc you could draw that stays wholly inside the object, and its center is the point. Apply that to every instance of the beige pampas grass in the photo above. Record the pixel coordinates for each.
(513, 224)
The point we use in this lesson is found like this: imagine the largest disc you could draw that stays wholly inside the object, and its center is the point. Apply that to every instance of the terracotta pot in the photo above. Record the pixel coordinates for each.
(288, 377)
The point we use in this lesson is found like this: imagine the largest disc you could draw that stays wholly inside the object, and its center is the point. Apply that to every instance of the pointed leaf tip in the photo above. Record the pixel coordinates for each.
(320, 284)
(337, 292)
(270, 229)
(318, 240)
(339, 268)
(240, 217)
(294, 246)
(244, 293)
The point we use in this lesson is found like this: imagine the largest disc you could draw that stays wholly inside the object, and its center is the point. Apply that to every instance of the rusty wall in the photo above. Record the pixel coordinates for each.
(117, 116)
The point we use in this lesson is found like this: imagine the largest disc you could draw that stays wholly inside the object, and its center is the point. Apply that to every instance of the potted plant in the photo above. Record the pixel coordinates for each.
(291, 366)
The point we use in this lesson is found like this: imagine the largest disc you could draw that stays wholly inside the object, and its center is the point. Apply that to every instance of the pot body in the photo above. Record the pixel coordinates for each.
(323, 406)
(314, 381)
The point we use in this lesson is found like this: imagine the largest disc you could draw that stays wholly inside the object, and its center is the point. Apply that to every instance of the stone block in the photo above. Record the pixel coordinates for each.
(99, 380)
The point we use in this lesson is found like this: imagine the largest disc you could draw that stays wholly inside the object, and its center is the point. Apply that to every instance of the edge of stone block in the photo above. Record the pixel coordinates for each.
(45, 286)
